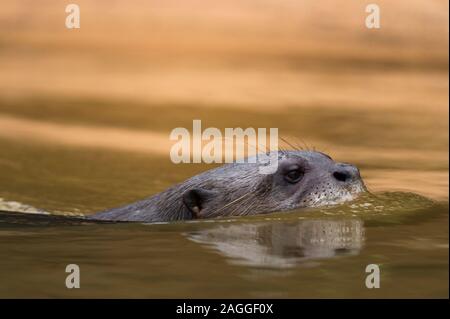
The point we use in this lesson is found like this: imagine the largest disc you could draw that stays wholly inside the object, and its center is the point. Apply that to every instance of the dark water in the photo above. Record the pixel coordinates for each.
(403, 227)
(314, 254)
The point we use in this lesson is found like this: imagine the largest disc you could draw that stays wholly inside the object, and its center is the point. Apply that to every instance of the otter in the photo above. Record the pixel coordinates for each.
(302, 179)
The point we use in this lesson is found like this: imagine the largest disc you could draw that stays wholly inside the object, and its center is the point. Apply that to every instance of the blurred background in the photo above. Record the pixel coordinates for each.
(85, 114)
(85, 117)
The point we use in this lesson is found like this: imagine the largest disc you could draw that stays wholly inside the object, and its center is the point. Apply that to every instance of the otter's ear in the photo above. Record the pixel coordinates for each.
(195, 200)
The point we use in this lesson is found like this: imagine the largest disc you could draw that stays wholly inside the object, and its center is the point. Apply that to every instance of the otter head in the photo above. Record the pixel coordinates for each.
(302, 179)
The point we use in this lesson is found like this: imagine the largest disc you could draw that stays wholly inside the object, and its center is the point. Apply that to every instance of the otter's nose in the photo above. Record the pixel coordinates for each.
(346, 173)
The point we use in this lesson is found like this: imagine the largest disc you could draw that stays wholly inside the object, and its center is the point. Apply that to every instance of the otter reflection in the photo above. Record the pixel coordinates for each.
(283, 244)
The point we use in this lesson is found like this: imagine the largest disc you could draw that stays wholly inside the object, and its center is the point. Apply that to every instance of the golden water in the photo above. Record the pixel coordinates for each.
(315, 253)
(85, 117)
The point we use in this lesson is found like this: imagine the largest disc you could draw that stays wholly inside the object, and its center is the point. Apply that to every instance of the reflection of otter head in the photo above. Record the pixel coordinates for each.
(283, 245)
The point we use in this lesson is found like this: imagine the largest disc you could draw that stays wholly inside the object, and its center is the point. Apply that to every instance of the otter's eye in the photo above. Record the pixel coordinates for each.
(294, 176)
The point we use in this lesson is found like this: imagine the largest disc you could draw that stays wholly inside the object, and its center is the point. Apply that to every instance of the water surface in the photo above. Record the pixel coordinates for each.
(85, 117)
(403, 226)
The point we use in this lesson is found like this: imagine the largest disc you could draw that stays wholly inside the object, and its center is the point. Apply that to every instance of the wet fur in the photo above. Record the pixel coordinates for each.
(240, 189)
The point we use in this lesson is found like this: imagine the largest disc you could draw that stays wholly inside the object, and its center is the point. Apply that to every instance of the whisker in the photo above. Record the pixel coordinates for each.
(287, 142)
(297, 144)
(232, 202)
(304, 144)
(258, 147)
